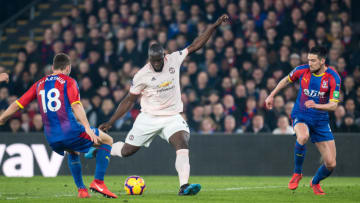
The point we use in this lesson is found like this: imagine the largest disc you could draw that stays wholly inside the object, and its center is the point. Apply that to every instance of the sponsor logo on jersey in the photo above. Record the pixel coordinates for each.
(336, 94)
(313, 93)
(165, 84)
(153, 79)
(304, 79)
(131, 137)
(172, 70)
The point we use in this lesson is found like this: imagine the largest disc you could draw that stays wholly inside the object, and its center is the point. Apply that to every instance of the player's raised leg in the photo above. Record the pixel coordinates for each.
(179, 141)
(75, 168)
(327, 150)
(102, 161)
(302, 136)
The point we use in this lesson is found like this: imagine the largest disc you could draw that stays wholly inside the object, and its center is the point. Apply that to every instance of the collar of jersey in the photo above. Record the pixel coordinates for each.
(319, 74)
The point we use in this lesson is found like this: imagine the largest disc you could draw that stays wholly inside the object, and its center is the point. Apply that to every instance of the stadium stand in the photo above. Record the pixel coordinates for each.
(224, 85)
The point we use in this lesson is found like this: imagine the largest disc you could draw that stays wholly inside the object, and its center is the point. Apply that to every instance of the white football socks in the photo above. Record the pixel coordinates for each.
(182, 165)
(116, 149)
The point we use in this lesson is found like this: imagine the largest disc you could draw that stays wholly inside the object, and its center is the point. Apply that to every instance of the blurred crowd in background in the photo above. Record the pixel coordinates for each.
(224, 84)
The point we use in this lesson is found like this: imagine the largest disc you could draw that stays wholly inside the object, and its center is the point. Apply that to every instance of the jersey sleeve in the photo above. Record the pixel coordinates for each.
(335, 83)
(179, 56)
(72, 90)
(137, 85)
(28, 97)
(295, 74)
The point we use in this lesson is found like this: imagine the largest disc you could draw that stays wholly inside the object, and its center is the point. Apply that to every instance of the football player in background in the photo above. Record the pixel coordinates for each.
(318, 94)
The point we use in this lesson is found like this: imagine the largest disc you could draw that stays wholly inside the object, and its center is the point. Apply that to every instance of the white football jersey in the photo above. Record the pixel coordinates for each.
(160, 90)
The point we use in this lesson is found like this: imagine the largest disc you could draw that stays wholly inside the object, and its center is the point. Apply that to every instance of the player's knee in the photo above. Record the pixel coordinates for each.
(180, 140)
(302, 139)
(106, 139)
(330, 165)
(111, 140)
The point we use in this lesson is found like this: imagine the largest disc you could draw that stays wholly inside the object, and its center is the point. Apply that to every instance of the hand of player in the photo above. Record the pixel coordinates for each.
(105, 126)
(310, 104)
(269, 102)
(92, 135)
(4, 77)
(221, 19)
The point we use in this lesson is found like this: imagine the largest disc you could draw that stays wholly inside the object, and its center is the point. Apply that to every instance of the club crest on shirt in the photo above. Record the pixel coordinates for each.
(172, 70)
(324, 84)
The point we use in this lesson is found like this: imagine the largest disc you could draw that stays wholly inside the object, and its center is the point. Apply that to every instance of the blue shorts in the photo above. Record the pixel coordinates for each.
(80, 143)
(319, 130)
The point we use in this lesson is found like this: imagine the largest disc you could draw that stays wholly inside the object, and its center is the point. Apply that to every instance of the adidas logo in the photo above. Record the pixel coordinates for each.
(153, 79)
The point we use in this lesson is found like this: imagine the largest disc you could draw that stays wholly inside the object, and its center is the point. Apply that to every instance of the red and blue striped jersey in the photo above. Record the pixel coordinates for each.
(55, 95)
(320, 88)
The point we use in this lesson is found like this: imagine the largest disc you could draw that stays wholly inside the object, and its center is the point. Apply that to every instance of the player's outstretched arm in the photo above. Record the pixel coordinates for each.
(80, 114)
(270, 99)
(204, 37)
(124, 106)
(13, 108)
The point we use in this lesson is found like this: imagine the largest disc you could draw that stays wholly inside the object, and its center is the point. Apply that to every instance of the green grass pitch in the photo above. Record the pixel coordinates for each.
(165, 188)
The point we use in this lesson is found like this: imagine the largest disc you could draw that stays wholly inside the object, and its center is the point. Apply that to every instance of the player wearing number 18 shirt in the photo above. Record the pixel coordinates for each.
(318, 94)
(59, 104)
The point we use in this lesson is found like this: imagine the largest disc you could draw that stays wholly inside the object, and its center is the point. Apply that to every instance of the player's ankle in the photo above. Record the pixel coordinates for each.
(98, 181)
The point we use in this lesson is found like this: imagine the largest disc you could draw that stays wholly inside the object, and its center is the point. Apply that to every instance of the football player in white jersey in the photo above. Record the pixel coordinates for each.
(158, 86)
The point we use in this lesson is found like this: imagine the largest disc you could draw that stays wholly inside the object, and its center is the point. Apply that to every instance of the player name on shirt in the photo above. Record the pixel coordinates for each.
(51, 78)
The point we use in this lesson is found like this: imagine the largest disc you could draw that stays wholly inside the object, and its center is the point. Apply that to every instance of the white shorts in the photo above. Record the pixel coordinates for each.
(146, 126)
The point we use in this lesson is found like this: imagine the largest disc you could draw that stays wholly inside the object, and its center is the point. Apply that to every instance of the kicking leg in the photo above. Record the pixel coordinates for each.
(122, 149)
(75, 168)
(327, 150)
(180, 141)
(302, 136)
(119, 149)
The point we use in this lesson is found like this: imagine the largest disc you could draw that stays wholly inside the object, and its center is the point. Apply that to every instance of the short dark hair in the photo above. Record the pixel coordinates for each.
(61, 60)
(320, 51)
(155, 49)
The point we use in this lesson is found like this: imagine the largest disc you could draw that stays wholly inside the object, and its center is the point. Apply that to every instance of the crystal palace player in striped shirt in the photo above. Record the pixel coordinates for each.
(318, 94)
(59, 104)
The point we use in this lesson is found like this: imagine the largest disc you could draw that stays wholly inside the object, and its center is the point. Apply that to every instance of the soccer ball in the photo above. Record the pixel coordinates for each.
(134, 185)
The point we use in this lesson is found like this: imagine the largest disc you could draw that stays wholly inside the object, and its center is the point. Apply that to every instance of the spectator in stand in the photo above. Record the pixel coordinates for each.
(349, 125)
(229, 124)
(258, 125)
(37, 124)
(283, 126)
(108, 40)
(207, 126)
